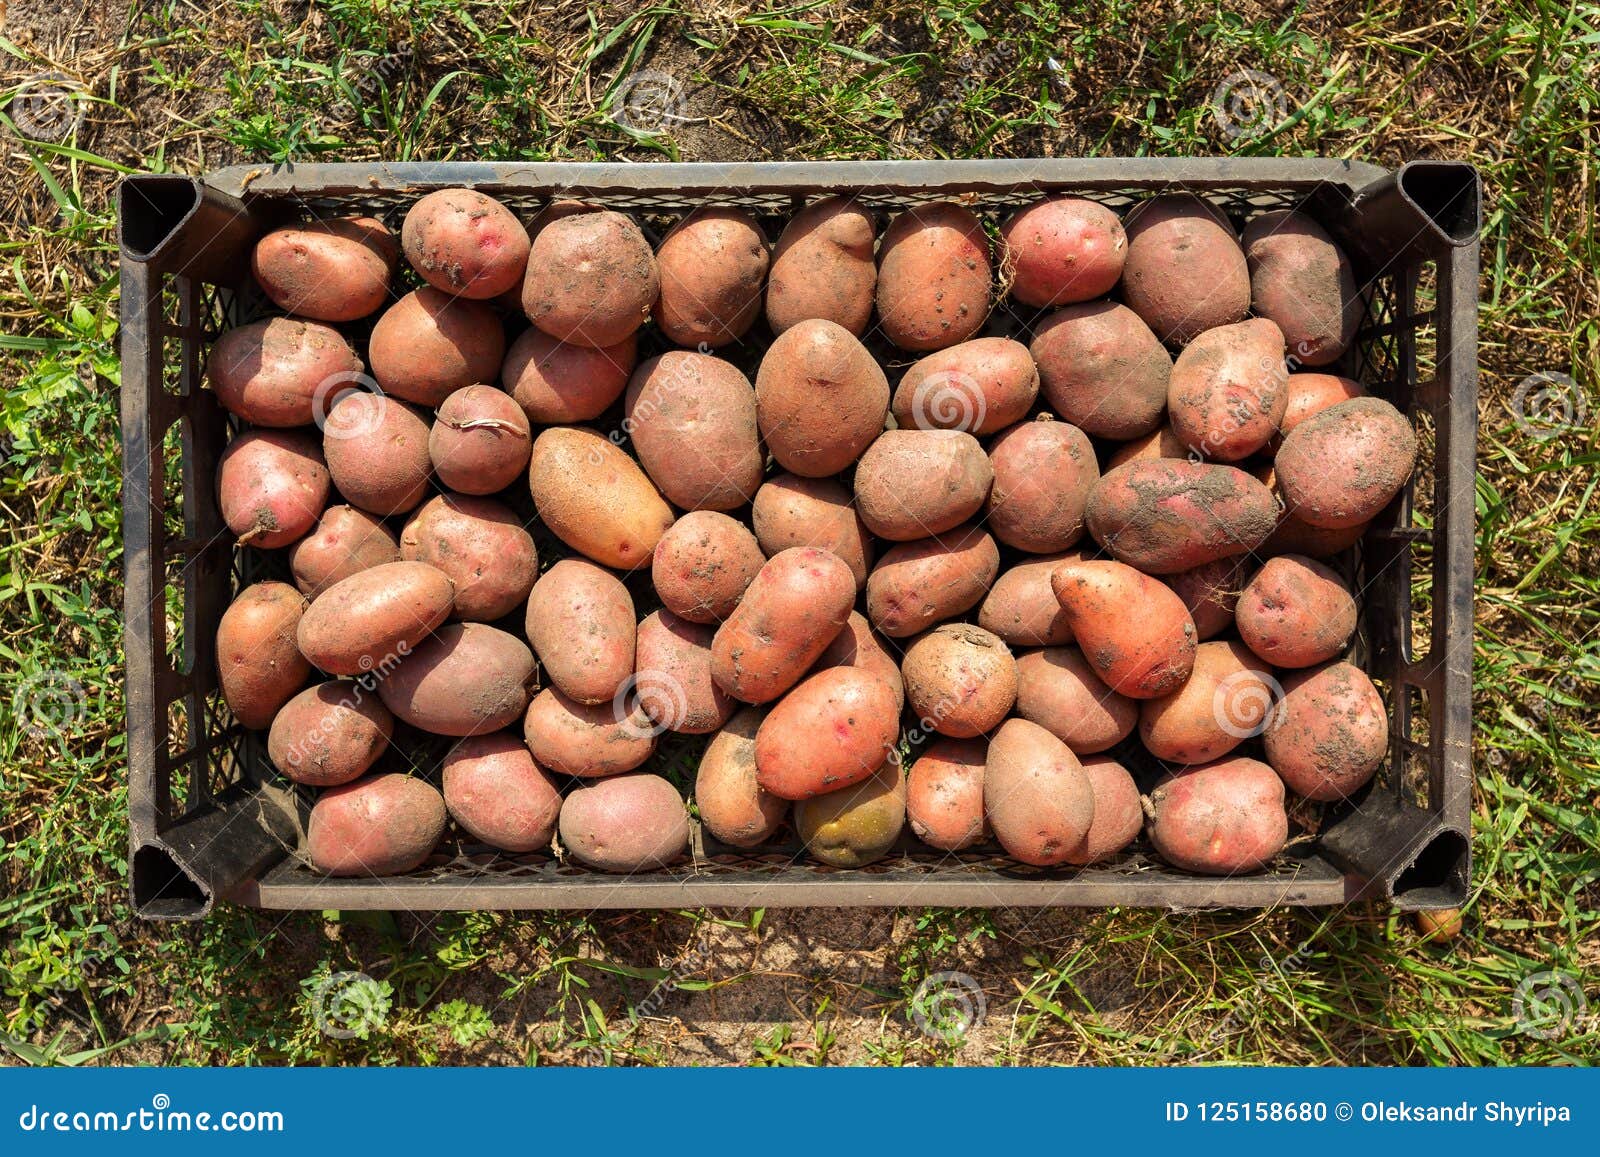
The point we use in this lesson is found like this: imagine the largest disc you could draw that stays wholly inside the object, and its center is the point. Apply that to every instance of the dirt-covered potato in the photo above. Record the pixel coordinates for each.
(595, 498)
(673, 682)
(465, 243)
(944, 794)
(821, 398)
(582, 626)
(913, 484)
(1219, 819)
(377, 452)
(1022, 609)
(822, 267)
(834, 729)
(1294, 535)
(733, 806)
(591, 279)
(918, 584)
(272, 486)
(1296, 612)
(330, 734)
(1224, 702)
(627, 823)
(480, 441)
(1038, 800)
(588, 740)
(979, 386)
(1058, 689)
(336, 270)
(1330, 732)
(703, 565)
(383, 825)
(692, 418)
(481, 545)
(1229, 390)
(1063, 249)
(1185, 272)
(1102, 369)
(279, 371)
(1118, 814)
(259, 666)
(428, 345)
(857, 825)
(499, 795)
(960, 680)
(797, 603)
(713, 267)
(933, 277)
(1165, 516)
(1303, 281)
(1043, 474)
(374, 618)
(465, 679)
(858, 646)
(557, 383)
(1141, 655)
(793, 511)
(1211, 592)
(1339, 468)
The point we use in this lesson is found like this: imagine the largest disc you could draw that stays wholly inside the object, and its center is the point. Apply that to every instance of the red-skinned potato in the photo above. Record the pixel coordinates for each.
(1340, 467)
(933, 277)
(1224, 702)
(1063, 249)
(733, 806)
(466, 679)
(796, 605)
(1038, 800)
(588, 740)
(833, 730)
(821, 398)
(1102, 369)
(428, 345)
(692, 418)
(581, 624)
(499, 795)
(272, 486)
(1165, 516)
(1311, 394)
(823, 267)
(465, 243)
(857, 646)
(335, 270)
(384, 825)
(480, 441)
(1059, 690)
(1184, 272)
(627, 823)
(377, 452)
(1118, 814)
(374, 618)
(1304, 282)
(1143, 655)
(1022, 609)
(960, 680)
(793, 511)
(857, 825)
(1329, 733)
(1296, 612)
(1211, 592)
(979, 386)
(1159, 443)
(1043, 473)
(258, 664)
(913, 484)
(1219, 819)
(591, 279)
(595, 498)
(703, 565)
(713, 267)
(673, 682)
(481, 545)
(280, 372)
(944, 794)
(918, 584)
(557, 383)
(330, 734)
(1229, 390)
(345, 541)
(1294, 535)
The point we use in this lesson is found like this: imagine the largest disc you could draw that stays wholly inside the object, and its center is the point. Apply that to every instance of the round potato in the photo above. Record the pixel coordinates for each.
(591, 279)
(275, 372)
(1294, 535)
(1341, 467)
(1022, 609)
(1142, 656)
(1224, 702)
(1102, 369)
(1329, 734)
(384, 825)
(933, 277)
(1063, 249)
(588, 740)
(1118, 814)
(465, 243)
(913, 484)
(330, 734)
(628, 823)
(467, 679)
(833, 730)
(1038, 800)
(821, 398)
(1303, 281)
(918, 584)
(1296, 612)
(1058, 689)
(480, 441)
(692, 418)
(428, 345)
(336, 270)
(1165, 516)
(823, 268)
(557, 383)
(673, 682)
(1219, 819)
(377, 452)
(344, 541)
(703, 565)
(797, 603)
(1311, 394)
(857, 825)
(499, 795)
(733, 806)
(1184, 272)
(1043, 474)
(581, 624)
(944, 794)
(259, 667)
(481, 545)
(960, 680)
(272, 486)
(979, 386)
(1229, 390)
(713, 267)
(1211, 592)
(594, 497)
(858, 646)
(372, 620)
(793, 511)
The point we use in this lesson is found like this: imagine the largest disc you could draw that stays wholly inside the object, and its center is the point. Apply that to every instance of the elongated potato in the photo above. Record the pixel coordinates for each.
(344, 541)
(1184, 272)
(465, 243)
(673, 682)
(499, 795)
(1296, 612)
(591, 279)
(1118, 814)
(1340, 467)
(428, 345)
(918, 584)
(627, 823)
(467, 679)
(821, 398)
(822, 267)
(692, 418)
(588, 740)
(258, 665)
(703, 565)
(330, 734)
(1063, 249)
(1142, 655)
(793, 511)
(272, 486)
(1219, 819)
(1303, 281)
(481, 545)
(933, 277)
(386, 824)
(713, 268)
(1230, 390)
(979, 386)
(833, 730)
(798, 602)
(594, 497)
(913, 484)
(858, 646)
(336, 270)
(733, 805)
(960, 680)
(1225, 701)
(372, 620)
(1102, 369)
(275, 372)
(377, 452)
(581, 624)
(1022, 609)
(944, 794)
(1058, 689)
(1044, 472)
(1330, 733)
(480, 441)
(1165, 516)
(1211, 592)
(557, 383)
(857, 825)
(1038, 800)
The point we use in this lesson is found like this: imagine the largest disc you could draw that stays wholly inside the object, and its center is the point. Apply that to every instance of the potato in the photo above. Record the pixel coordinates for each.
(1341, 467)
(258, 666)
(1038, 800)
(1296, 612)
(979, 386)
(1022, 609)
(594, 498)
(857, 646)
(918, 584)
(1211, 592)
(1229, 390)
(1118, 814)
(1294, 535)
(1224, 702)
(1101, 369)
(960, 680)
(733, 806)
(692, 418)
(821, 398)
(1159, 443)
(1219, 819)
(1311, 394)
(1142, 655)
(373, 618)
(1058, 689)
(1043, 473)
(933, 277)
(1165, 516)
(467, 679)
(858, 825)
(913, 484)
(480, 441)
(833, 730)
(713, 267)
(1184, 272)
(330, 734)
(1063, 249)
(272, 486)
(344, 541)
(797, 603)
(428, 345)
(822, 267)
(591, 280)
(499, 795)
(588, 740)
(944, 794)
(1330, 732)
(703, 564)
(384, 825)
(336, 270)
(629, 823)
(1303, 281)
(581, 624)
(673, 683)
(465, 243)
(377, 452)
(277, 372)
(557, 383)
(481, 545)
(790, 510)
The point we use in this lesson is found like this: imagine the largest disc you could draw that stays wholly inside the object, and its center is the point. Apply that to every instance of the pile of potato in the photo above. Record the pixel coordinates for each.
(1007, 563)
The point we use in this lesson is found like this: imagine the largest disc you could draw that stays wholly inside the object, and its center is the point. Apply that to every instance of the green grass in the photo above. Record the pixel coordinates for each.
(1512, 88)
